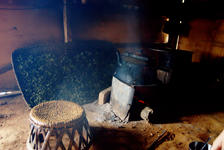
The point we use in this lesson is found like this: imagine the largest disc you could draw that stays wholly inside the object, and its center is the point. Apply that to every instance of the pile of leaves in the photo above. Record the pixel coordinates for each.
(52, 71)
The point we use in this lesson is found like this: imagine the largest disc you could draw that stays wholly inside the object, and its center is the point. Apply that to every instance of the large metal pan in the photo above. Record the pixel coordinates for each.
(76, 71)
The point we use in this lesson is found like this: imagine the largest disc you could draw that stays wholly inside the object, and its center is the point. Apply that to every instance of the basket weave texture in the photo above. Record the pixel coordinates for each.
(56, 113)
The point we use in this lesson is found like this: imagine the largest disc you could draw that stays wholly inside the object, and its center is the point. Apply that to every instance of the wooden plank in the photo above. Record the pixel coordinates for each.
(67, 28)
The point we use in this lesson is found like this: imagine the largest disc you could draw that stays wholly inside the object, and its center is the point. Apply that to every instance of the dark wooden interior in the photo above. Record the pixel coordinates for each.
(189, 108)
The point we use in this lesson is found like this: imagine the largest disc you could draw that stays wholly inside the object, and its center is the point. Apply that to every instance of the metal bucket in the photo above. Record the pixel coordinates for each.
(199, 145)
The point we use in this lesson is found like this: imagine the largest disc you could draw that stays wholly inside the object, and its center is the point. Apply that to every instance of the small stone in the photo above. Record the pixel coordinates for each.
(134, 125)
(145, 113)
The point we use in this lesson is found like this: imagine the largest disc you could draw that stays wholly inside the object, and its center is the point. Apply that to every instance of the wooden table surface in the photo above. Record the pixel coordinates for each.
(14, 130)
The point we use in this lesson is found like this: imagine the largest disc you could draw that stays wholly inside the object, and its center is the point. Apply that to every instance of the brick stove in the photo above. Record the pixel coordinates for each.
(134, 70)
(138, 72)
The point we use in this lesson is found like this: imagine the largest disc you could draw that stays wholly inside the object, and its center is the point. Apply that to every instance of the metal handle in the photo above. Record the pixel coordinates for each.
(119, 61)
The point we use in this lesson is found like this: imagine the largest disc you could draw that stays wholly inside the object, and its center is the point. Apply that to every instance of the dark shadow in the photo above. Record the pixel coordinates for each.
(193, 89)
(116, 139)
(5, 68)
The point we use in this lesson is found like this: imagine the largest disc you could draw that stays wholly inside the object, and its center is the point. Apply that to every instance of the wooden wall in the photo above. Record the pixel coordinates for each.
(21, 27)
(205, 39)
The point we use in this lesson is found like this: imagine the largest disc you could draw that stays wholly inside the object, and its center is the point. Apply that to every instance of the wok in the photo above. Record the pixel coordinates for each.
(75, 71)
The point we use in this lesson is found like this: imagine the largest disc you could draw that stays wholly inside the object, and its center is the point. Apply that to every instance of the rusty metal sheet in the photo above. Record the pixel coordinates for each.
(121, 98)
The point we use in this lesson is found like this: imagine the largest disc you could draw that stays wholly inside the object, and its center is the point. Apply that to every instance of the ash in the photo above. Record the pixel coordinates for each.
(96, 113)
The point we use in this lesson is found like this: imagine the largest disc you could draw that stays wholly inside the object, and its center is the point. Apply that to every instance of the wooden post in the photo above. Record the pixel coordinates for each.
(67, 28)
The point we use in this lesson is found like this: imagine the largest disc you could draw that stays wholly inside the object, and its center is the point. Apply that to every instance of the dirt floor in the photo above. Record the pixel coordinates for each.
(14, 129)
